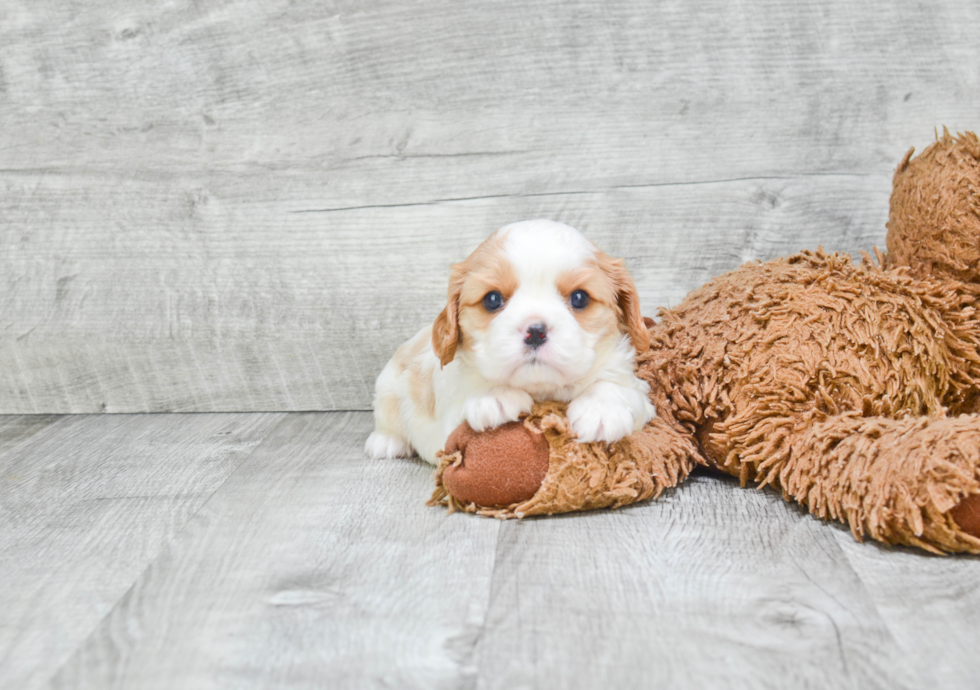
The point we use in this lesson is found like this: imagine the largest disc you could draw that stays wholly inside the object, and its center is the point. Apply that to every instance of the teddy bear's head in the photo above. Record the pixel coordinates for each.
(934, 223)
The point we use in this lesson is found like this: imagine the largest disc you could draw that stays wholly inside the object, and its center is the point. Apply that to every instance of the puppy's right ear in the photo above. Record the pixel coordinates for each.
(445, 330)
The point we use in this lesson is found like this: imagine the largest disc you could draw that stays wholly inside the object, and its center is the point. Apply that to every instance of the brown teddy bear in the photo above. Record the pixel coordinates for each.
(852, 388)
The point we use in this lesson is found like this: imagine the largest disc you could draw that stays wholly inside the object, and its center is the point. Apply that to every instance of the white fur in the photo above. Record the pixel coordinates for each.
(498, 377)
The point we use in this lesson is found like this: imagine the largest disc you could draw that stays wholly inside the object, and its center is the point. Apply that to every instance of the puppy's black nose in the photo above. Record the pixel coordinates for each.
(536, 335)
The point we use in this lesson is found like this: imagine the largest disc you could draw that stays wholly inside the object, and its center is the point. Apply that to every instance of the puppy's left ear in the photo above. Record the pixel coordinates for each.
(630, 318)
(445, 330)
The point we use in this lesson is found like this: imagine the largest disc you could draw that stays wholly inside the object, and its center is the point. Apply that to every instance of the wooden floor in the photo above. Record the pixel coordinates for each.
(263, 551)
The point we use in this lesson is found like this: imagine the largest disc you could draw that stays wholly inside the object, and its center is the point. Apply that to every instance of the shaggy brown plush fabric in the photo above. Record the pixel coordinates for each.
(805, 338)
(847, 386)
(934, 223)
(832, 381)
(895, 480)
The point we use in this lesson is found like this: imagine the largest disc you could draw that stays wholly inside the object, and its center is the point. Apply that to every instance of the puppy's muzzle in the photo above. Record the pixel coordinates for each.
(536, 335)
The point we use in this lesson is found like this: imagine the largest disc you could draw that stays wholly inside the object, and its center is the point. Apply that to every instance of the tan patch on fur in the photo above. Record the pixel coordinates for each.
(603, 313)
(408, 353)
(493, 272)
(483, 271)
(627, 300)
(420, 388)
(599, 319)
(473, 320)
(593, 280)
(615, 303)
(390, 412)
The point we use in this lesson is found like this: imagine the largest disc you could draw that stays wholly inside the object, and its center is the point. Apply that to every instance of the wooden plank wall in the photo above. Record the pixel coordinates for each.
(213, 206)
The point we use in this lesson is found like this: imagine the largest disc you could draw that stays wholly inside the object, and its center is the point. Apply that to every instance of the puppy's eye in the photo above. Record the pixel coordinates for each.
(492, 301)
(579, 299)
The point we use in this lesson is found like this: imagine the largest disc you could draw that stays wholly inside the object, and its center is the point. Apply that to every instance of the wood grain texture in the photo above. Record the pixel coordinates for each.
(311, 567)
(930, 605)
(300, 311)
(711, 587)
(85, 504)
(246, 206)
(16, 430)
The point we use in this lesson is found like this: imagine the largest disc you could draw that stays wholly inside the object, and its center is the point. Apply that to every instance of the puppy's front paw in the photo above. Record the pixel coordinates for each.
(596, 419)
(499, 406)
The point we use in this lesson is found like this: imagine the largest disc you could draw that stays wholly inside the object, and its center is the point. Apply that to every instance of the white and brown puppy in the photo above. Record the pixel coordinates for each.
(537, 312)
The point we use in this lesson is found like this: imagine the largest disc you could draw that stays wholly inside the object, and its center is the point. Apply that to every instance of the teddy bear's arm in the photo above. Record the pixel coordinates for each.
(574, 476)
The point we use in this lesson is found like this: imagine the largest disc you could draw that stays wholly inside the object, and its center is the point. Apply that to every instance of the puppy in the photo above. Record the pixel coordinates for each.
(537, 312)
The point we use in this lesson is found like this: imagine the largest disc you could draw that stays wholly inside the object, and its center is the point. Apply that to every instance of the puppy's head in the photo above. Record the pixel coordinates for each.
(537, 306)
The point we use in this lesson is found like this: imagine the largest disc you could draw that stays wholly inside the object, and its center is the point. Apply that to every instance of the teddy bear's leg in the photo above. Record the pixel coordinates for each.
(900, 481)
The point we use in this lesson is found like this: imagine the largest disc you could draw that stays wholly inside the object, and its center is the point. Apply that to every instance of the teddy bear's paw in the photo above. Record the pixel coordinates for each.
(499, 406)
(608, 412)
(967, 515)
(381, 446)
(495, 468)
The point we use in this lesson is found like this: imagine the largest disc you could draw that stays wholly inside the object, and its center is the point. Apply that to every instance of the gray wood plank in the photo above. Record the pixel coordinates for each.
(552, 96)
(225, 206)
(710, 587)
(260, 308)
(310, 567)
(86, 502)
(17, 430)
(931, 605)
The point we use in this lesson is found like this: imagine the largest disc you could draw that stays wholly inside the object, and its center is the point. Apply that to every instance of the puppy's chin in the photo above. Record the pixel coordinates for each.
(541, 372)
(538, 377)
